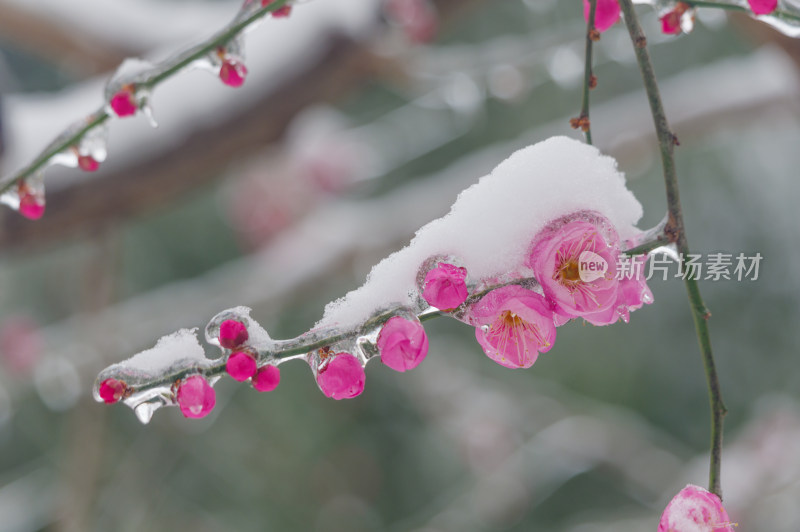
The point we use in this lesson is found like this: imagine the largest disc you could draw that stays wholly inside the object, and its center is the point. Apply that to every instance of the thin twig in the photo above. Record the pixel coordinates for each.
(676, 233)
(589, 80)
(170, 67)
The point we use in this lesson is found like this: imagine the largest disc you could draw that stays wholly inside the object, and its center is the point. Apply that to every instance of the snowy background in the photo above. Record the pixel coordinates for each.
(346, 138)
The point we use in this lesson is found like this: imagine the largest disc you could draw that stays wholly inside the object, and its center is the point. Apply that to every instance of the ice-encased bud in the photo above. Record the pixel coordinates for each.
(234, 327)
(339, 375)
(26, 197)
(267, 378)
(442, 282)
(402, 342)
(241, 365)
(195, 396)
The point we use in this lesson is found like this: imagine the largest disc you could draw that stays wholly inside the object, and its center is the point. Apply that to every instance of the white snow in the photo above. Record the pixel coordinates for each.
(179, 347)
(492, 223)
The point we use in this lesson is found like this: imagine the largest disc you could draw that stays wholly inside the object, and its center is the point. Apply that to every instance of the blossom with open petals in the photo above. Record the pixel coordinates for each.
(513, 325)
(574, 258)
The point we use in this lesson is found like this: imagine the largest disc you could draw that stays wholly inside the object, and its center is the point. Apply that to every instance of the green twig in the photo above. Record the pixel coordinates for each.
(675, 233)
(168, 68)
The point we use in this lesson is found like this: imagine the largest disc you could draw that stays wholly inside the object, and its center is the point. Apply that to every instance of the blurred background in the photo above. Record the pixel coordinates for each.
(359, 122)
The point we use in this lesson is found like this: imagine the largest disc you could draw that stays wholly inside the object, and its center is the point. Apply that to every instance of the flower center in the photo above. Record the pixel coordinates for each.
(570, 271)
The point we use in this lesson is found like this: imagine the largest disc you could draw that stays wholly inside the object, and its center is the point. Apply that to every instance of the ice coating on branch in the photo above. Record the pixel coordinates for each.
(175, 349)
(491, 225)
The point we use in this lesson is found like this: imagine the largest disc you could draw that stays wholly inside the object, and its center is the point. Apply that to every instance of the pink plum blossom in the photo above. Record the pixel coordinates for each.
(87, 163)
(112, 390)
(402, 343)
(341, 377)
(241, 365)
(763, 7)
(281, 12)
(694, 509)
(445, 287)
(123, 102)
(31, 202)
(606, 13)
(267, 378)
(232, 334)
(559, 258)
(632, 294)
(196, 398)
(671, 21)
(232, 72)
(513, 325)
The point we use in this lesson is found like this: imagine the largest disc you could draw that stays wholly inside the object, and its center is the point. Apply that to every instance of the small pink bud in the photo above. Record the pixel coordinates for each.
(444, 286)
(241, 366)
(403, 344)
(281, 12)
(30, 205)
(763, 7)
(196, 397)
(606, 13)
(112, 390)
(694, 509)
(267, 378)
(232, 72)
(342, 378)
(124, 102)
(88, 163)
(232, 334)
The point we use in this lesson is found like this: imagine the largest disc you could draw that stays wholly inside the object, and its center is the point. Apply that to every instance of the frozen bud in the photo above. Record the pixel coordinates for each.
(694, 509)
(87, 163)
(267, 378)
(763, 7)
(402, 343)
(342, 377)
(513, 325)
(124, 101)
(445, 287)
(241, 365)
(112, 390)
(281, 12)
(196, 398)
(232, 72)
(606, 13)
(671, 20)
(31, 204)
(232, 334)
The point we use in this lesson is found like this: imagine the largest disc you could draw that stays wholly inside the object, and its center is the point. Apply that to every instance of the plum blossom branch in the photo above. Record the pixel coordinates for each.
(676, 233)
(66, 140)
(589, 80)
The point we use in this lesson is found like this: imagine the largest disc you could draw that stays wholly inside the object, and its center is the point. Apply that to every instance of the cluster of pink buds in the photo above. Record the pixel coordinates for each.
(242, 364)
(574, 262)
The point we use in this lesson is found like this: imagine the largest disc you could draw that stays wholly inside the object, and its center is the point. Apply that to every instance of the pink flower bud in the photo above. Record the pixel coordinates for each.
(31, 205)
(241, 366)
(606, 13)
(281, 12)
(763, 7)
(232, 72)
(112, 390)
(694, 509)
(403, 344)
(341, 378)
(513, 325)
(232, 334)
(196, 398)
(671, 21)
(267, 378)
(88, 163)
(124, 102)
(444, 286)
